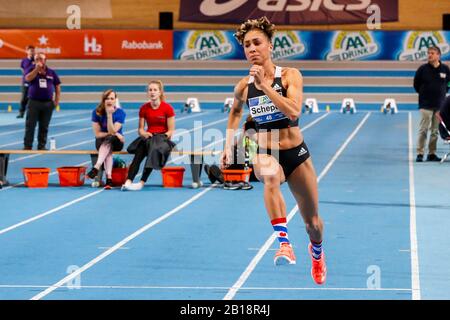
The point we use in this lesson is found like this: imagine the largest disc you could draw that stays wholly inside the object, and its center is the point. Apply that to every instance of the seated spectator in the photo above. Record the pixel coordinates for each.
(154, 141)
(107, 123)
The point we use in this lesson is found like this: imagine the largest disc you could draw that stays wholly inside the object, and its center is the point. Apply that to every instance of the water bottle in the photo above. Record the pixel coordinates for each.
(247, 157)
(52, 144)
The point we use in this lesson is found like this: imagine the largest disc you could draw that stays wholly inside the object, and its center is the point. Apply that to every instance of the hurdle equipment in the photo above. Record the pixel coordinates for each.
(444, 158)
(389, 106)
(191, 105)
(348, 105)
(227, 104)
(311, 106)
(444, 132)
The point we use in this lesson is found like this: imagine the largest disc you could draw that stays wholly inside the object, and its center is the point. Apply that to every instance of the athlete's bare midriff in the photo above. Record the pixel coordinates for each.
(282, 139)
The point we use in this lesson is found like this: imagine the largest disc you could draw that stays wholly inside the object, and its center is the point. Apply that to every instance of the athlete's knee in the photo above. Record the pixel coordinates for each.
(313, 223)
(271, 182)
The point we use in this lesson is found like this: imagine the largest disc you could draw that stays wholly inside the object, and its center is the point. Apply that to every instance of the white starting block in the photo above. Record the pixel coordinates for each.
(444, 158)
(311, 106)
(191, 105)
(389, 106)
(227, 104)
(348, 105)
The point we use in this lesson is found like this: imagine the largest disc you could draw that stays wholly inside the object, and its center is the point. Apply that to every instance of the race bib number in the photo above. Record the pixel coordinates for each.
(263, 110)
(443, 75)
(43, 83)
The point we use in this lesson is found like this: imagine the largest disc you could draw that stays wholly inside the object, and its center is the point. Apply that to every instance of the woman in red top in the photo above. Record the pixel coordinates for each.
(160, 119)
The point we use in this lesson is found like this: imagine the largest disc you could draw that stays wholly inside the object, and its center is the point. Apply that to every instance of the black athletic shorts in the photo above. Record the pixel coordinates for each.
(289, 159)
(117, 145)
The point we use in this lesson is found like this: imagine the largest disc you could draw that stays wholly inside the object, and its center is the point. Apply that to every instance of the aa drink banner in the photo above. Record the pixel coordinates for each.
(89, 44)
(288, 12)
(317, 45)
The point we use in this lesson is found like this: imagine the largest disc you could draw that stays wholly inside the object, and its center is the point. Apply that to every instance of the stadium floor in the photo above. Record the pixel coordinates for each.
(386, 221)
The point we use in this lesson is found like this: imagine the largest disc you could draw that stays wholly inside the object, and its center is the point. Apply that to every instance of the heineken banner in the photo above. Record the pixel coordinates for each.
(317, 45)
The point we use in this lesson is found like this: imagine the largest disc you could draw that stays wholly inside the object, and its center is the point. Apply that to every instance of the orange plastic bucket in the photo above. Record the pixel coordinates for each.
(36, 177)
(172, 177)
(236, 175)
(71, 176)
(119, 176)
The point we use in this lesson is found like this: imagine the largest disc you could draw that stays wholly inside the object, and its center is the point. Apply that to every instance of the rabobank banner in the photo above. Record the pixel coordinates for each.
(88, 44)
(317, 45)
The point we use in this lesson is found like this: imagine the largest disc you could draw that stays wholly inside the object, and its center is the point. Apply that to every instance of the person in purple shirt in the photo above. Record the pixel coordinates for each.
(43, 93)
(107, 121)
(25, 64)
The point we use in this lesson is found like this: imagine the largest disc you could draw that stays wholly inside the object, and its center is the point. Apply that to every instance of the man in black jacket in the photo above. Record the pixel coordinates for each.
(431, 82)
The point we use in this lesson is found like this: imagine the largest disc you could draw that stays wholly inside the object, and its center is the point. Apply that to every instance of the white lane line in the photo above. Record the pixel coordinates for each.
(126, 132)
(46, 213)
(53, 125)
(87, 162)
(248, 271)
(12, 286)
(315, 121)
(415, 279)
(56, 135)
(118, 245)
(53, 134)
(129, 238)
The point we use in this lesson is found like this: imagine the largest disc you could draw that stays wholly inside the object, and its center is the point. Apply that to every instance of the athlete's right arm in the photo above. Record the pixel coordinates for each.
(33, 74)
(234, 117)
(141, 130)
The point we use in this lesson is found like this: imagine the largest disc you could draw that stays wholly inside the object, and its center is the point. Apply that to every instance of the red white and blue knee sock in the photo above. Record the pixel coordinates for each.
(316, 249)
(280, 227)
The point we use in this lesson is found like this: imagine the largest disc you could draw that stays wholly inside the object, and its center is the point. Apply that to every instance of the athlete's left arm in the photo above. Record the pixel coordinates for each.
(291, 104)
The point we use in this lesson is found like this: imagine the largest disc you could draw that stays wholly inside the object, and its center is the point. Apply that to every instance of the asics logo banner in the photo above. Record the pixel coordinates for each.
(212, 8)
(286, 11)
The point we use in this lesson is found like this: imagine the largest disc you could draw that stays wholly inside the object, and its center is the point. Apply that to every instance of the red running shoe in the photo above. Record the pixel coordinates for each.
(319, 269)
(284, 255)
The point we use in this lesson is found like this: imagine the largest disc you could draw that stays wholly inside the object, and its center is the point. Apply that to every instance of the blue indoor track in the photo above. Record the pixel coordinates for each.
(386, 220)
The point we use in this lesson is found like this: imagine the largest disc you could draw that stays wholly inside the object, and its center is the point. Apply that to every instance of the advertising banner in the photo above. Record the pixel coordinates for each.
(206, 45)
(317, 45)
(288, 12)
(89, 44)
